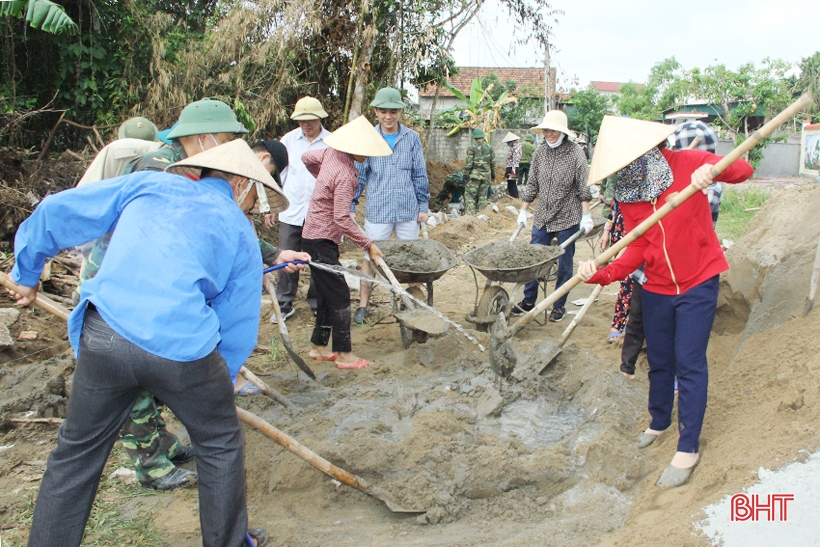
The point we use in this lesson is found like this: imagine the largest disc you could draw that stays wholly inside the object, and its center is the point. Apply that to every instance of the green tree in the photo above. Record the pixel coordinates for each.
(809, 82)
(480, 110)
(637, 102)
(41, 14)
(587, 111)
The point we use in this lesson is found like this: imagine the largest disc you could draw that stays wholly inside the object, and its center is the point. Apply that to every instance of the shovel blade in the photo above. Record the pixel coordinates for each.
(382, 495)
(503, 353)
(423, 320)
(542, 357)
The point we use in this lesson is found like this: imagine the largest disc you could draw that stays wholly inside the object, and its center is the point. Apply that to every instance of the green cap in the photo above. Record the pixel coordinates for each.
(206, 116)
(388, 97)
(138, 128)
(530, 138)
(479, 134)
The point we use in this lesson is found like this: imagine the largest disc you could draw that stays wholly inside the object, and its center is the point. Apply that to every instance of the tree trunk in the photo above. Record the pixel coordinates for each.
(362, 72)
(429, 131)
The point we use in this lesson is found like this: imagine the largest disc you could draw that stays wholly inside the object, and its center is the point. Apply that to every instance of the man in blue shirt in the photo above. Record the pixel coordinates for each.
(173, 310)
(398, 191)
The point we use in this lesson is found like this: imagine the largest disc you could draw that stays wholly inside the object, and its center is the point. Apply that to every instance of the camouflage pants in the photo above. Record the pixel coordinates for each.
(93, 254)
(475, 194)
(450, 190)
(149, 445)
(523, 173)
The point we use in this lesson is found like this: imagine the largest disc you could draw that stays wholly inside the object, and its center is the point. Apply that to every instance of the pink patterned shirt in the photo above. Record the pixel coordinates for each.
(328, 215)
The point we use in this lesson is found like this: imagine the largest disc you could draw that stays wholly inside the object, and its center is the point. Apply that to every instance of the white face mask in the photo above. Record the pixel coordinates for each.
(212, 138)
(557, 143)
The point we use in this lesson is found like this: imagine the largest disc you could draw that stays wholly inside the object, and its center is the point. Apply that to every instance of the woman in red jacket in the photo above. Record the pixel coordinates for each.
(683, 264)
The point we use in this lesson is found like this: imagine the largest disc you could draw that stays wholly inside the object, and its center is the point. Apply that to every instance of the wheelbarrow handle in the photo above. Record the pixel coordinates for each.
(284, 265)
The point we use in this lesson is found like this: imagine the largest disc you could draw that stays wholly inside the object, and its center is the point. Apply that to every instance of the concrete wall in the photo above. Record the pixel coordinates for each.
(780, 159)
(450, 149)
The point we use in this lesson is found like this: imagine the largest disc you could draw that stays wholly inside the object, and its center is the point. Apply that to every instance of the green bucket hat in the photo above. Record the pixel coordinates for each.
(388, 97)
(479, 134)
(138, 128)
(530, 138)
(206, 116)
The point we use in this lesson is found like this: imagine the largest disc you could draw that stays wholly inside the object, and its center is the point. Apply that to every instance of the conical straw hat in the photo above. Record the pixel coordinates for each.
(359, 138)
(621, 141)
(237, 158)
(510, 136)
(555, 120)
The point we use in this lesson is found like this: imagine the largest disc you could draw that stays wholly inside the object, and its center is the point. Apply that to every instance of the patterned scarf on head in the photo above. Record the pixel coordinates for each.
(644, 179)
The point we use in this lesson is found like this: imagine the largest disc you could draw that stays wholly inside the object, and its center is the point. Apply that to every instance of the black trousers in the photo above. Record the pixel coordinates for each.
(512, 183)
(332, 296)
(110, 373)
(633, 335)
(290, 239)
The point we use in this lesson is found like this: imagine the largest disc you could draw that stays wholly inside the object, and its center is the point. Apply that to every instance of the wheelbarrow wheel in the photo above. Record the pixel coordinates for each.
(493, 301)
(408, 336)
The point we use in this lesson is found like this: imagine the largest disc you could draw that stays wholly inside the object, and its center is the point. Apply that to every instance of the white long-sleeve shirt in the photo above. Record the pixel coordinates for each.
(297, 182)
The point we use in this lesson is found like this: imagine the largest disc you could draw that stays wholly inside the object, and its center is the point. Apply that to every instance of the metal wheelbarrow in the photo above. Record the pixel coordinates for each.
(415, 261)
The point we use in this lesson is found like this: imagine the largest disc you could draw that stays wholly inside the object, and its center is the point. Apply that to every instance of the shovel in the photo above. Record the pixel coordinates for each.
(412, 318)
(322, 464)
(45, 303)
(503, 353)
(283, 331)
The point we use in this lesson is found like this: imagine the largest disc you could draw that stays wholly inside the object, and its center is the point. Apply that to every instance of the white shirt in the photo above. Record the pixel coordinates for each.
(297, 182)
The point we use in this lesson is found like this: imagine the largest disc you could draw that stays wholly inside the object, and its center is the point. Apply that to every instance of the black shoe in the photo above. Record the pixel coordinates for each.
(258, 535)
(178, 478)
(360, 316)
(184, 454)
(521, 308)
(557, 314)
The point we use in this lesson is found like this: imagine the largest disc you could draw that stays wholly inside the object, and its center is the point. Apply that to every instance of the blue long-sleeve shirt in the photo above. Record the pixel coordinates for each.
(182, 272)
(397, 185)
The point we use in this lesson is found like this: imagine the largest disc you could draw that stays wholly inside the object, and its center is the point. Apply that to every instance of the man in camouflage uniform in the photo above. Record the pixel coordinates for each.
(453, 189)
(479, 170)
(527, 148)
(154, 450)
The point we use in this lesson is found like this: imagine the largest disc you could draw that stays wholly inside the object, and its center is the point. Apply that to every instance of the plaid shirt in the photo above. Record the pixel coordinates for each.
(514, 155)
(328, 215)
(684, 135)
(559, 175)
(398, 189)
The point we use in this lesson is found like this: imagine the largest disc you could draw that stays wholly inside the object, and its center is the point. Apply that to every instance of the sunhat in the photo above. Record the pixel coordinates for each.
(359, 138)
(308, 108)
(388, 97)
(138, 128)
(237, 158)
(510, 136)
(555, 120)
(621, 141)
(206, 116)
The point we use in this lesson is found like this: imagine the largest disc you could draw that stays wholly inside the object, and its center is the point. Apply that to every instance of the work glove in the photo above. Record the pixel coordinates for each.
(522, 217)
(586, 223)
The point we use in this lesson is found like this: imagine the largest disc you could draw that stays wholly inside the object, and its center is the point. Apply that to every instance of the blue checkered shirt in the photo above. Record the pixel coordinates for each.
(398, 189)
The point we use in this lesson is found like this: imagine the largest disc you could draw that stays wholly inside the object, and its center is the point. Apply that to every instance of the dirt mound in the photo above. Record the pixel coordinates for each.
(770, 266)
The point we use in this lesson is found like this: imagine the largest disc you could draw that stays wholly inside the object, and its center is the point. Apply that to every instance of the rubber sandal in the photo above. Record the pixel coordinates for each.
(676, 476)
(613, 337)
(360, 363)
(331, 357)
(248, 389)
(256, 537)
(645, 439)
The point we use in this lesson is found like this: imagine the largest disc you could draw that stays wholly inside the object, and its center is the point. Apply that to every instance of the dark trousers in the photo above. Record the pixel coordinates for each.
(452, 190)
(523, 173)
(332, 296)
(290, 239)
(110, 373)
(543, 237)
(677, 332)
(512, 186)
(633, 335)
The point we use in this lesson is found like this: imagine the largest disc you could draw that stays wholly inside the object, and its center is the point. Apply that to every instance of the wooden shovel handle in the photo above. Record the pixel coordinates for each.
(393, 281)
(43, 302)
(671, 204)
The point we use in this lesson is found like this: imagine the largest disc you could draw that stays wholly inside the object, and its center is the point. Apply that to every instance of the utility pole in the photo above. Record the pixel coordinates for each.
(547, 98)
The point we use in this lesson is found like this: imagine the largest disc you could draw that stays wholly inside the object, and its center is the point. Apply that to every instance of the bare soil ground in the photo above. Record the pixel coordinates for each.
(547, 460)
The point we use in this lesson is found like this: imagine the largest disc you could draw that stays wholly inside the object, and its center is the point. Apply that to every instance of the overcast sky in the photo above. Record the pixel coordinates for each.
(620, 40)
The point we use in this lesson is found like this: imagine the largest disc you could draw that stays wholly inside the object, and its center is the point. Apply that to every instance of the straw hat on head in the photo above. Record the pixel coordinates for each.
(510, 136)
(359, 138)
(621, 141)
(237, 158)
(555, 120)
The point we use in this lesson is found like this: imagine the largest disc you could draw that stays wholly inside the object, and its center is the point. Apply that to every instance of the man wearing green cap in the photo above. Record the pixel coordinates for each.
(298, 184)
(526, 157)
(479, 170)
(398, 191)
(202, 125)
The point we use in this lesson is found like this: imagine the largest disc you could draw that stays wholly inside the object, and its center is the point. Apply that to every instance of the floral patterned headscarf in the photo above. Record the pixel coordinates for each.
(644, 179)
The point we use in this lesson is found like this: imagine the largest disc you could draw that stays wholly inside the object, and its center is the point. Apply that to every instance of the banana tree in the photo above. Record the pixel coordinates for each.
(42, 14)
(479, 110)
